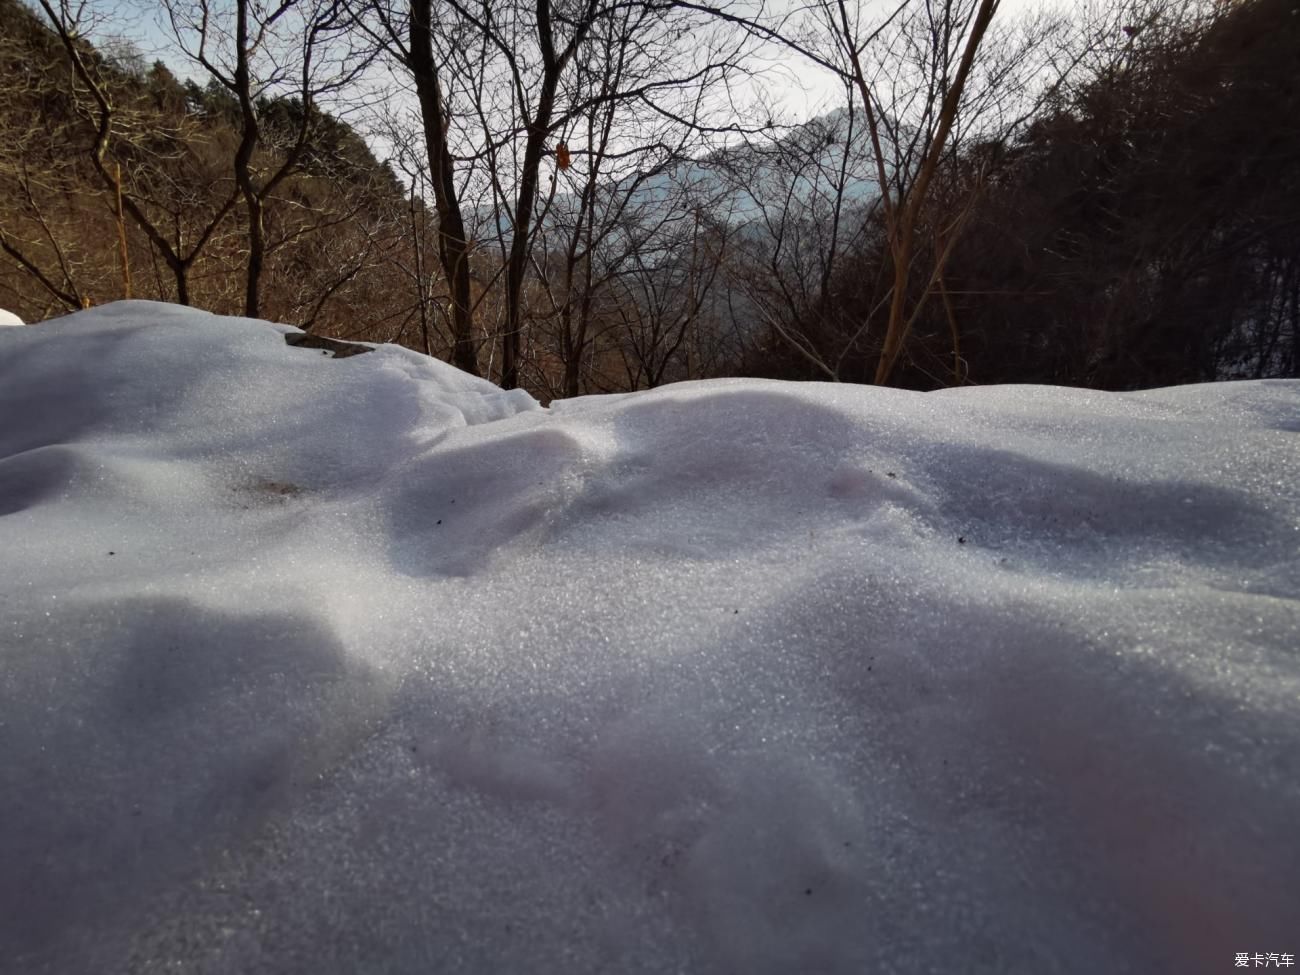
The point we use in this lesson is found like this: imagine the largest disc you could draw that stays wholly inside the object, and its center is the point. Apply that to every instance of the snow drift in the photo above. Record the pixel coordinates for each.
(313, 664)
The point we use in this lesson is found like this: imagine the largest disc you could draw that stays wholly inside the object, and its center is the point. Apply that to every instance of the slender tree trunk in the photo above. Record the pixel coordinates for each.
(256, 256)
(453, 248)
(517, 266)
(538, 128)
(244, 164)
(903, 218)
(181, 272)
(573, 360)
(417, 241)
(121, 236)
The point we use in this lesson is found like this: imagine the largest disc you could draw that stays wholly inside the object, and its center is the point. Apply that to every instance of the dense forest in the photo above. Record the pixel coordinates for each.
(571, 200)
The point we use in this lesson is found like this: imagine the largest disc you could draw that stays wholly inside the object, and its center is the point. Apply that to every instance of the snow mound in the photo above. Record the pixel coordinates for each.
(9, 318)
(363, 664)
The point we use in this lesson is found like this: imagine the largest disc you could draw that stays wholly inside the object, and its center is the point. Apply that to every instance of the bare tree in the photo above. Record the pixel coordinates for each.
(419, 42)
(944, 27)
(257, 53)
(930, 78)
(517, 88)
(628, 201)
(806, 208)
(178, 245)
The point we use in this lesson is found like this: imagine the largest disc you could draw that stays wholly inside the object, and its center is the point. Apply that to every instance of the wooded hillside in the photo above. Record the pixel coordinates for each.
(1108, 199)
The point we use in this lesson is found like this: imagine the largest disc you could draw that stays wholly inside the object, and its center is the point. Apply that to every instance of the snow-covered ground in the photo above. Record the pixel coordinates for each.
(363, 665)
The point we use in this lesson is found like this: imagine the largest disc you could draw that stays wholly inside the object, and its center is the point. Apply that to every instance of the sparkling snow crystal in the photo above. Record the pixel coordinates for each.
(364, 665)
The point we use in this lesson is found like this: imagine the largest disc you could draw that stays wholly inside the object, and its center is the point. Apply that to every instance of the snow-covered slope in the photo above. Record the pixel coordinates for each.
(362, 665)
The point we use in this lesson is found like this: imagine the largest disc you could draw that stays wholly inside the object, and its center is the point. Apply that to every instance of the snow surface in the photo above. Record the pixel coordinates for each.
(363, 665)
(9, 318)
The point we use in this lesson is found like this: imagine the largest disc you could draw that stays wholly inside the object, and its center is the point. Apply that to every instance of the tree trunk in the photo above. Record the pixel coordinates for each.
(453, 248)
(517, 267)
(538, 129)
(243, 163)
(903, 220)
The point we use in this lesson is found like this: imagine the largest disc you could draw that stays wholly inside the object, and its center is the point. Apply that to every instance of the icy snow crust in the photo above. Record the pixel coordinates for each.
(363, 665)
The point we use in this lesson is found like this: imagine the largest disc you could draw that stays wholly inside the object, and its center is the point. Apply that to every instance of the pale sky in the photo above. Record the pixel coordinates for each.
(803, 90)
(796, 89)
